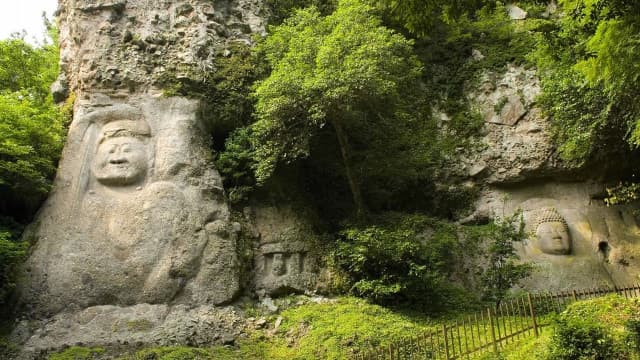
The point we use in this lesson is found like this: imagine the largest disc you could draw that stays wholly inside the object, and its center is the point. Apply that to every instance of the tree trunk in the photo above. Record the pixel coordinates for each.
(351, 178)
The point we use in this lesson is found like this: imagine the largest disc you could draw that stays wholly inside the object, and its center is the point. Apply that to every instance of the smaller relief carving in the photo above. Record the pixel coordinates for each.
(282, 264)
(552, 233)
(284, 268)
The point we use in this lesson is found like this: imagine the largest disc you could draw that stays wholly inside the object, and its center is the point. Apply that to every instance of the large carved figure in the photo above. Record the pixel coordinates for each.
(552, 233)
(575, 241)
(136, 216)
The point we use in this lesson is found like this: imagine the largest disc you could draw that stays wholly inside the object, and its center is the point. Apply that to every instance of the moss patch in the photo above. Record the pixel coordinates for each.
(78, 353)
(139, 325)
(170, 353)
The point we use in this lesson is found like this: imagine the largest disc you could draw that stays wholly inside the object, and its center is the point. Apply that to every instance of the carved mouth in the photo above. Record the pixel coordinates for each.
(558, 243)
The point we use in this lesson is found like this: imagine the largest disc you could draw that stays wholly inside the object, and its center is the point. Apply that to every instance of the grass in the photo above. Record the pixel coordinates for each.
(342, 328)
(337, 329)
(528, 348)
(329, 330)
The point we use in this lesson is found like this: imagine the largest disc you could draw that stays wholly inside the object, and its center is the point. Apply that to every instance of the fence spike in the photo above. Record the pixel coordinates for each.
(493, 333)
(533, 316)
(446, 342)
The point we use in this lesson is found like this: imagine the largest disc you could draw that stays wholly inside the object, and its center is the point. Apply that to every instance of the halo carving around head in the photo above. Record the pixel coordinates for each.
(550, 214)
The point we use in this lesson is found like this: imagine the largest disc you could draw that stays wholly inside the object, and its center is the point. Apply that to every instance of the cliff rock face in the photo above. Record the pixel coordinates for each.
(517, 145)
(574, 240)
(133, 45)
(287, 251)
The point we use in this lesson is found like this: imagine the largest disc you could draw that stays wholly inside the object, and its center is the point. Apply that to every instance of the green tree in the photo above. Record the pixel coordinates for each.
(588, 62)
(31, 126)
(503, 271)
(611, 35)
(345, 71)
(590, 55)
(24, 67)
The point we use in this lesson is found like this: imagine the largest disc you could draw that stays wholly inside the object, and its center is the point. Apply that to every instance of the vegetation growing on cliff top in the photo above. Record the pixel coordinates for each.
(587, 59)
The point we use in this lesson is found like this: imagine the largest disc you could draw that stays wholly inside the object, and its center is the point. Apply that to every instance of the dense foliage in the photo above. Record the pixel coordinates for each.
(345, 71)
(31, 126)
(422, 16)
(11, 253)
(588, 62)
(362, 127)
(399, 260)
(31, 134)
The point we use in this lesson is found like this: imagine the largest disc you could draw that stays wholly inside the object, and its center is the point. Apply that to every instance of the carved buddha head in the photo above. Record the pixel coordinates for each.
(552, 233)
(122, 157)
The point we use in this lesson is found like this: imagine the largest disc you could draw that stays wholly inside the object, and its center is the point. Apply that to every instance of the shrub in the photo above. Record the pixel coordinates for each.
(594, 329)
(403, 259)
(503, 271)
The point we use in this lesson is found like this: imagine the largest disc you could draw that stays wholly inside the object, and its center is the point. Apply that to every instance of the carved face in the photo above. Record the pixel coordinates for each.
(121, 161)
(553, 238)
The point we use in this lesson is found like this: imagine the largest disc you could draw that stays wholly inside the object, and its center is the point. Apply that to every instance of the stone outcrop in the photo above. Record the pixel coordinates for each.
(517, 145)
(515, 166)
(134, 45)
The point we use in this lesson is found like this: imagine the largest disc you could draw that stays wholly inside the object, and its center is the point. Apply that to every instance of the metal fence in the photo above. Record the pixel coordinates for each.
(487, 331)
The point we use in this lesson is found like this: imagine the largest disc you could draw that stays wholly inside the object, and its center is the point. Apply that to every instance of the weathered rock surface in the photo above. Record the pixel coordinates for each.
(517, 144)
(516, 13)
(516, 166)
(136, 44)
(135, 244)
(137, 325)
